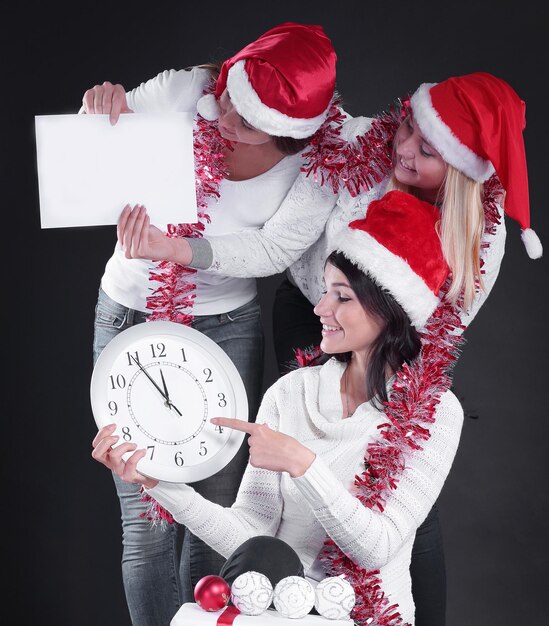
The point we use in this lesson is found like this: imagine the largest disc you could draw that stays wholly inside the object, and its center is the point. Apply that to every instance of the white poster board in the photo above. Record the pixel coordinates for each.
(88, 170)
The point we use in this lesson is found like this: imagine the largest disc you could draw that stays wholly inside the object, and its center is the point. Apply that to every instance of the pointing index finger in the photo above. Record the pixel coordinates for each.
(235, 424)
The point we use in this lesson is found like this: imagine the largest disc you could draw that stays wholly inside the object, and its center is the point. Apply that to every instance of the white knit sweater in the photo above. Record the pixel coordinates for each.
(243, 204)
(299, 235)
(306, 404)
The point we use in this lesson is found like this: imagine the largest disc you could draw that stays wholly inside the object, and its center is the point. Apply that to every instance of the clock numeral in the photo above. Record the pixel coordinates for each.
(126, 435)
(113, 407)
(219, 429)
(222, 400)
(152, 449)
(208, 374)
(183, 355)
(117, 383)
(133, 359)
(178, 459)
(158, 351)
(203, 450)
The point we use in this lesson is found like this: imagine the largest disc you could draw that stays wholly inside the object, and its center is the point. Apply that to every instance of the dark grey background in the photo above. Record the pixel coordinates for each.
(60, 512)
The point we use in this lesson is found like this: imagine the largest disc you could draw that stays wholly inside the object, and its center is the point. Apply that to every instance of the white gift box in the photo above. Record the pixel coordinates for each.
(191, 614)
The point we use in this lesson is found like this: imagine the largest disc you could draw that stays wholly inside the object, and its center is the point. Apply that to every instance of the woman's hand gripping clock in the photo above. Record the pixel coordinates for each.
(104, 452)
(268, 449)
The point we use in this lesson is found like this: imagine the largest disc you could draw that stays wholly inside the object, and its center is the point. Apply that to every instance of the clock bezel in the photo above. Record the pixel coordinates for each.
(99, 395)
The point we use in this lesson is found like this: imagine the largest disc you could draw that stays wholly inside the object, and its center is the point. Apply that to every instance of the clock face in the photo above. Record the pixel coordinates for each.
(161, 383)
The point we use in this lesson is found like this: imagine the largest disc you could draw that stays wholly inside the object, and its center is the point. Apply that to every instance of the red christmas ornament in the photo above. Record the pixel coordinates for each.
(212, 593)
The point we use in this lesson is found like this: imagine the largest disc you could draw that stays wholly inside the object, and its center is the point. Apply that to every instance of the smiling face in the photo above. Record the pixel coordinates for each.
(417, 163)
(234, 127)
(346, 325)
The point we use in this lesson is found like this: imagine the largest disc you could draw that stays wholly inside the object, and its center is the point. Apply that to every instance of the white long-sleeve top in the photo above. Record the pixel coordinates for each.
(306, 404)
(299, 235)
(246, 204)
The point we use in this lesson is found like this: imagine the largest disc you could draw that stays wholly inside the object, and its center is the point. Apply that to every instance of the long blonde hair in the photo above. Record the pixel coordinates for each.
(461, 227)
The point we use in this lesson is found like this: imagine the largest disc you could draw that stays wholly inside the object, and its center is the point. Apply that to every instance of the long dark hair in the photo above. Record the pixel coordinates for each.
(286, 145)
(398, 342)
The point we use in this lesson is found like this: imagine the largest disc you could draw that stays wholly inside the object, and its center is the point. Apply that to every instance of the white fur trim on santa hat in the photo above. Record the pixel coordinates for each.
(390, 272)
(531, 243)
(208, 107)
(260, 116)
(443, 140)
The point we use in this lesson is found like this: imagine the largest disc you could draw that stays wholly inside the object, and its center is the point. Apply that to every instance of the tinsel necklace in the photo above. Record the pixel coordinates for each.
(418, 386)
(173, 299)
(410, 411)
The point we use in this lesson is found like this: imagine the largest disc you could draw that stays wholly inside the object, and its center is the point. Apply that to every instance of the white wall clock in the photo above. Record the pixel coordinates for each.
(161, 383)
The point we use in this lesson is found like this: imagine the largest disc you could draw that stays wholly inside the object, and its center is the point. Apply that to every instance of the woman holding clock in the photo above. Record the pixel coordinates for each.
(329, 473)
(253, 118)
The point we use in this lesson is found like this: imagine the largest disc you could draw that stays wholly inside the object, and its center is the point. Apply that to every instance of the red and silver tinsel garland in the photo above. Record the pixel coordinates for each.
(173, 299)
(359, 164)
(156, 514)
(419, 386)
(410, 411)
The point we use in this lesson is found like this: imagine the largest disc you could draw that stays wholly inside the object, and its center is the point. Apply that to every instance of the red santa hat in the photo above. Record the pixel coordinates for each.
(398, 246)
(282, 83)
(475, 122)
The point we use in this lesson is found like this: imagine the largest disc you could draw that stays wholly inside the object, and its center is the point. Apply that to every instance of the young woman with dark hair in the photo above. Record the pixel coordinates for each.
(341, 476)
(398, 343)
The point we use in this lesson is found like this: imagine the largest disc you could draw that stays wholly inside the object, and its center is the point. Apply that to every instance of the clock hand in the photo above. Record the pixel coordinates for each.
(166, 392)
(169, 403)
(149, 377)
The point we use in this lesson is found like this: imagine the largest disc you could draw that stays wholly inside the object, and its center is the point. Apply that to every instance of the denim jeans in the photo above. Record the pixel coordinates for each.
(157, 580)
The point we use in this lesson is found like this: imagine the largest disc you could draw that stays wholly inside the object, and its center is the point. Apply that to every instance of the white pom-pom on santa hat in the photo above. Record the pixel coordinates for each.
(532, 243)
(208, 107)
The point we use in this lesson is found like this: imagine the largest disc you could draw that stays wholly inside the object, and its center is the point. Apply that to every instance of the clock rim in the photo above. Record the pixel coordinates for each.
(164, 327)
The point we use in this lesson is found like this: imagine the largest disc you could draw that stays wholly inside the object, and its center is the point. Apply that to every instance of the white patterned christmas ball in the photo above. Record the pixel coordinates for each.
(251, 593)
(335, 597)
(294, 596)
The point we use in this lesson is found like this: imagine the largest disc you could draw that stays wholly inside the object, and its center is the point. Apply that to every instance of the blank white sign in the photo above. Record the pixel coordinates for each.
(89, 170)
